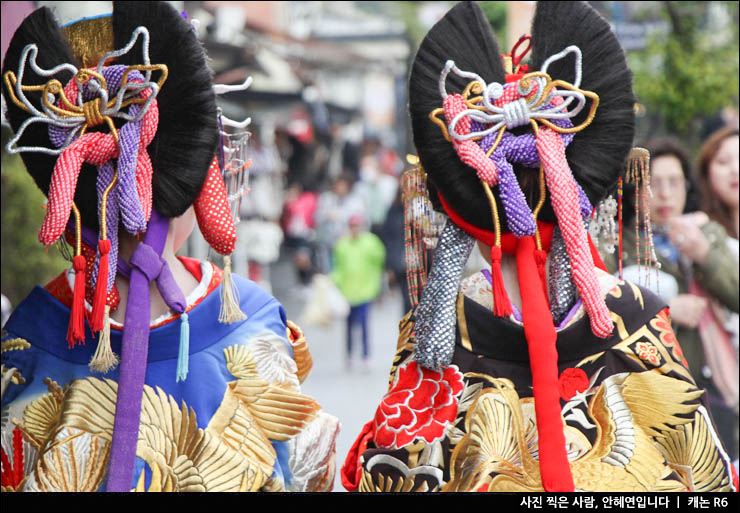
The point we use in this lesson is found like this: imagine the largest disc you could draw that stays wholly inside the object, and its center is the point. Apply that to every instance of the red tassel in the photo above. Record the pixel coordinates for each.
(18, 456)
(501, 303)
(540, 257)
(101, 287)
(76, 330)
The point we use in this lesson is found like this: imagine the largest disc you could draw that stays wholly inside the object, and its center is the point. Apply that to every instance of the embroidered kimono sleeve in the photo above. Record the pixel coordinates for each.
(690, 443)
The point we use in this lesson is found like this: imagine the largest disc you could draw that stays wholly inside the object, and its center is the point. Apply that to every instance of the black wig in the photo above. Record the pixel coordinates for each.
(187, 133)
(596, 155)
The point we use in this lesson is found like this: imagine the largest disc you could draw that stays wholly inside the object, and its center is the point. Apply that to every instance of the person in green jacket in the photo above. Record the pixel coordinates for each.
(358, 269)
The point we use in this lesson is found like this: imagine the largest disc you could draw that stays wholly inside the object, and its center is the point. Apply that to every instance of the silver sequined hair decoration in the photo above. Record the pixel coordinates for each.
(436, 315)
(562, 290)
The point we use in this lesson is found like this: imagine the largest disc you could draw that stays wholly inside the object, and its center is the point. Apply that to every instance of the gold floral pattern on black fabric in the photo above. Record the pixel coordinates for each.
(647, 334)
(662, 324)
(648, 352)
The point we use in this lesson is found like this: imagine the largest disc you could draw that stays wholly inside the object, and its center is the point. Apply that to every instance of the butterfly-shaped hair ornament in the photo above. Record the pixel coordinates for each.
(536, 104)
(78, 116)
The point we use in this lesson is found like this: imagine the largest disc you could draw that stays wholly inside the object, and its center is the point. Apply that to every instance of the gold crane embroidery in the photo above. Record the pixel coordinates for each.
(633, 414)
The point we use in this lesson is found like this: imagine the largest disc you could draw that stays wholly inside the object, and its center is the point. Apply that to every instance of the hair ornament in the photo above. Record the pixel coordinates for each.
(93, 97)
(92, 103)
(537, 101)
(217, 207)
(478, 128)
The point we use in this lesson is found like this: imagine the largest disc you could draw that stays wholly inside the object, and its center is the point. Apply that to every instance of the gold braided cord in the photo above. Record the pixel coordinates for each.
(78, 230)
(496, 142)
(85, 74)
(154, 67)
(104, 206)
(91, 110)
(111, 127)
(473, 87)
(10, 80)
(524, 83)
(494, 211)
(433, 116)
(54, 87)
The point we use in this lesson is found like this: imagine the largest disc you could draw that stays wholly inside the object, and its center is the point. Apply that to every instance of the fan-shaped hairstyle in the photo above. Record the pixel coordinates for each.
(597, 153)
(187, 133)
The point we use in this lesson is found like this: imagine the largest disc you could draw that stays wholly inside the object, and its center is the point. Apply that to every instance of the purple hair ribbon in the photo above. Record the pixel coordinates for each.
(134, 355)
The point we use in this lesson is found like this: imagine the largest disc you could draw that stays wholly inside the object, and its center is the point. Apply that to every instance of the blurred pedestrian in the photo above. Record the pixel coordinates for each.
(718, 181)
(358, 270)
(335, 207)
(392, 236)
(378, 182)
(298, 224)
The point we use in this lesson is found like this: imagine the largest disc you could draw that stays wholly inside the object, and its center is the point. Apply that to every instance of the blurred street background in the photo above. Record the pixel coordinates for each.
(329, 139)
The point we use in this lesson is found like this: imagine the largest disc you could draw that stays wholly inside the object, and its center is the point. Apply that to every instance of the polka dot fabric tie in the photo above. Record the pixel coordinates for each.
(214, 214)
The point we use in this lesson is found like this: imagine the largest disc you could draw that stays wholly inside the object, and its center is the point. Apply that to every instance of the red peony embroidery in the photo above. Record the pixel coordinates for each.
(420, 404)
(571, 381)
(662, 323)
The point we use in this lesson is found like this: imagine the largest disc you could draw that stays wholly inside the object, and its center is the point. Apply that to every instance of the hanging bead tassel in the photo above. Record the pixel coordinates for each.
(230, 311)
(76, 330)
(104, 360)
(184, 352)
(501, 303)
(101, 287)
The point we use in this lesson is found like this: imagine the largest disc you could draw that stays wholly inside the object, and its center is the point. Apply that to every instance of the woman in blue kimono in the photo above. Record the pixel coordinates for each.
(123, 141)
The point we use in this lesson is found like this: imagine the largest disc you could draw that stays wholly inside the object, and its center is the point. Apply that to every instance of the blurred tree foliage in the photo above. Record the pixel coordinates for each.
(25, 262)
(496, 15)
(409, 13)
(690, 72)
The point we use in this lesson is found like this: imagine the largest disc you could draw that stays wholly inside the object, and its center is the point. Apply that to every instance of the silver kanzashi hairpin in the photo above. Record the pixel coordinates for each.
(75, 118)
(518, 112)
(235, 170)
(223, 89)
